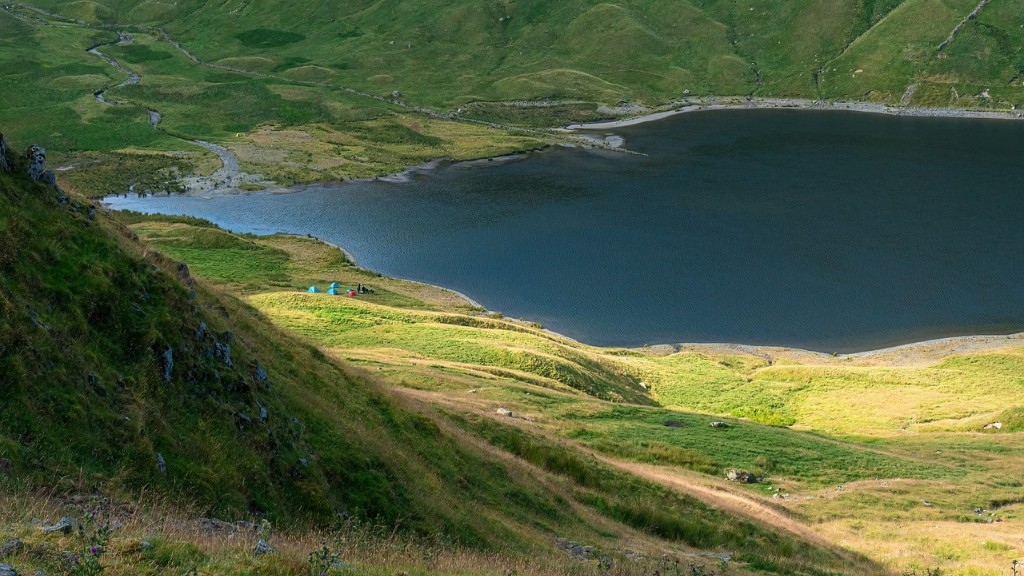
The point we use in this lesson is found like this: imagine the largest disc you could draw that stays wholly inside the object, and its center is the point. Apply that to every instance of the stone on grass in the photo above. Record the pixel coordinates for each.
(262, 548)
(65, 525)
(719, 424)
(11, 547)
(742, 476)
(505, 412)
(36, 161)
(7, 570)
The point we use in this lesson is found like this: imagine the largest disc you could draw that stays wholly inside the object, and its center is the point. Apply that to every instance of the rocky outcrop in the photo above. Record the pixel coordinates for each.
(7, 570)
(5, 155)
(168, 363)
(11, 547)
(65, 526)
(262, 547)
(36, 161)
(743, 477)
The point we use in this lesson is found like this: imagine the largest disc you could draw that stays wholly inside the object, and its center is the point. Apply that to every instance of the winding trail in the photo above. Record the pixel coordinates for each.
(229, 175)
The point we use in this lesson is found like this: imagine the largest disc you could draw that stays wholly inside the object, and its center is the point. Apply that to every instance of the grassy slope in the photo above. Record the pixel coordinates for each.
(287, 129)
(89, 315)
(893, 436)
(603, 52)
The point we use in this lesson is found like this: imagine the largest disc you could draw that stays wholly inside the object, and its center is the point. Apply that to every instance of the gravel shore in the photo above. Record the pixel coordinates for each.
(744, 103)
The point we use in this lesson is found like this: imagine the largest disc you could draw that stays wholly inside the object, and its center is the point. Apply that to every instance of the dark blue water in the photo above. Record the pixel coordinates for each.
(825, 230)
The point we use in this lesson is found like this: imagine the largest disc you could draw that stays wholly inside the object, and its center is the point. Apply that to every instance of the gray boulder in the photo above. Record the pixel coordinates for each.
(718, 424)
(742, 476)
(65, 525)
(36, 161)
(262, 548)
(168, 358)
(11, 547)
(7, 570)
(215, 526)
(5, 155)
(49, 178)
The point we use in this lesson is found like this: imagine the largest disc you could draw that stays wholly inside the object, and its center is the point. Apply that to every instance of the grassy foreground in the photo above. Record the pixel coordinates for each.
(888, 459)
(135, 387)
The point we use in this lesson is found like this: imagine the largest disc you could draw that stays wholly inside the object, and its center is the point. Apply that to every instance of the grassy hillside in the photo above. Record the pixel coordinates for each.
(322, 91)
(125, 377)
(883, 454)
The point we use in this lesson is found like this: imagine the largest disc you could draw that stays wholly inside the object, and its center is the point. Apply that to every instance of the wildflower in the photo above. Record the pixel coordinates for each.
(94, 550)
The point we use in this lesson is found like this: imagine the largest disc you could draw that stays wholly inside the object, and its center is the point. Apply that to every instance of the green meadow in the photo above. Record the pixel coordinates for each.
(850, 451)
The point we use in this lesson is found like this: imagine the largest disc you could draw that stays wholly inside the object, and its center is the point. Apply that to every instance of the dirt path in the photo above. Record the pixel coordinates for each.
(720, 496)
(715, 493)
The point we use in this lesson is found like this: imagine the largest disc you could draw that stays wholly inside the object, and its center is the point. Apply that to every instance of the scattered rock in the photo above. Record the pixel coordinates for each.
(11, 547)
(262, 548)
(304, 462)
(927, 503)
(675, 424)
(719, 424)
(65, 525)
(993, 426)
(261, 375)
(396, 94)
(36, 161)
(201, 331)
(263, 412)
(161, 464)
(7, 570)
(246, 525)
(185, 276)
(577, 551)
(146, 545)
(168, 358)
(48, 178)
(223, 353)
(506, 412)
(742, 476)
(242, 420)
(215, 526)
(5, 155)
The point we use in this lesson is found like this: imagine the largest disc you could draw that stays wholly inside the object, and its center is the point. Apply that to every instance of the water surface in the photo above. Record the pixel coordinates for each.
(832, 231)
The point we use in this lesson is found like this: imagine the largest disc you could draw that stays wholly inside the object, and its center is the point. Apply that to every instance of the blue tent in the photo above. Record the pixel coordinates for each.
(333, 292)
(313, 289)
(335, 285)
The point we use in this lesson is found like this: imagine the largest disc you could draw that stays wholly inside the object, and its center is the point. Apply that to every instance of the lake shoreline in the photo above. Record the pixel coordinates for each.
(918, 353)
(743, 103)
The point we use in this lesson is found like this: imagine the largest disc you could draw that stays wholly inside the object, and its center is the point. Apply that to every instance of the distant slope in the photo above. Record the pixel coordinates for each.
(318, 91)
(447, 53)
